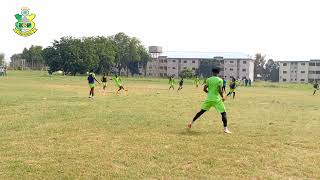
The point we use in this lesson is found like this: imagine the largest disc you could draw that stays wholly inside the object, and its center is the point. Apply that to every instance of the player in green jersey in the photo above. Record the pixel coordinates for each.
(213, 88)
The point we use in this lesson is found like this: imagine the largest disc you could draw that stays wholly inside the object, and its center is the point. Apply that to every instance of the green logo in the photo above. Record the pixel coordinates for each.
(25, 25)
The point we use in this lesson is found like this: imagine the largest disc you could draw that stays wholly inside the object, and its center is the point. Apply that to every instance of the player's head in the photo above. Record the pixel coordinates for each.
(104, 74)
(116, 75)
(215, 71)
(91, 71)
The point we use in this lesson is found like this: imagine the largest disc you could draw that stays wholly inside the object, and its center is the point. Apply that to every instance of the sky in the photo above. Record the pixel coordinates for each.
(283, 30)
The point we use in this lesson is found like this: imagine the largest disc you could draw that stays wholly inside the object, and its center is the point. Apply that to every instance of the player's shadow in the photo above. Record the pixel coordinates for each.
(189, 132)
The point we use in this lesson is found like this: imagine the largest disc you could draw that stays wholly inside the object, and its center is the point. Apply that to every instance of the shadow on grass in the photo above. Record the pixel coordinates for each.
(189, 132)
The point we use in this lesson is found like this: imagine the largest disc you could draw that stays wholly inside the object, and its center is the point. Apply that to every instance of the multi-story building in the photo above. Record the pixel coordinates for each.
(233, 64)
(299, 71)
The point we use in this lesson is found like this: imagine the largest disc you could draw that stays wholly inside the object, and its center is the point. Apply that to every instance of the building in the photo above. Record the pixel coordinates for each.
(232, 64)
(299, 71)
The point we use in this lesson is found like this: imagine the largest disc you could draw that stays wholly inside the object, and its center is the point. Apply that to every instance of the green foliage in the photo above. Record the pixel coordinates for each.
(271, 71)
(186, 73)
(205, 67)
(80, 55)
(33, 57)
(1, 59)
(259, 65)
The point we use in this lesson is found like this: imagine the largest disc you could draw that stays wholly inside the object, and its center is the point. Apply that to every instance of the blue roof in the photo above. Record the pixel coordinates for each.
(205, 55)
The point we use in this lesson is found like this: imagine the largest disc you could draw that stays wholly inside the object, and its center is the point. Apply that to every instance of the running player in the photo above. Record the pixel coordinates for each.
(215, 99)
(232, 86)
(91, 78)
(316, 87)
(104, 81)
(172, 82)
(118, 82)
(180, 84)
(224, 85)
(197, 81)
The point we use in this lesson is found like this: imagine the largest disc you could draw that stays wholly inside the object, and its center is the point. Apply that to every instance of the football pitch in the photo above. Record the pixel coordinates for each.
(50, 129)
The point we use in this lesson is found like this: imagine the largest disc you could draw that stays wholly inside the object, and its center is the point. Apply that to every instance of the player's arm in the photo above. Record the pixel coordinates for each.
(205, 88)
(221, 92)
(96, 80)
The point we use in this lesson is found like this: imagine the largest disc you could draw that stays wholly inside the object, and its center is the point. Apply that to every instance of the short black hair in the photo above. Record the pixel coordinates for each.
(215, 70)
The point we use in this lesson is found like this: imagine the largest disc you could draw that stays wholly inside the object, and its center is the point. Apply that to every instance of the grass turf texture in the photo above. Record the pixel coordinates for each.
(49, 129)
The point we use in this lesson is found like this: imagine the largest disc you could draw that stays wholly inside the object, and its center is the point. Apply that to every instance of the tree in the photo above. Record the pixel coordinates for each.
(121, 42)
(205, 67)
(259, 63)
(1, 59)
(186, 73)
(272, 71)
(33, 57)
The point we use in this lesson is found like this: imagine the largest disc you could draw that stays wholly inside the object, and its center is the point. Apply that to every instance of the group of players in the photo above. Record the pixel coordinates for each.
(232, 85)
(214, 86)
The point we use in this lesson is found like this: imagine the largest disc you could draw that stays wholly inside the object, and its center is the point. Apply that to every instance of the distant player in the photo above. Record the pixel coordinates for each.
(224, 85)
(197, 81)
(104, 81)
(232, 86)
(213, 88)
(172, 82)
(180, 84)
(316, 87)
(118, 82)
(91, 78)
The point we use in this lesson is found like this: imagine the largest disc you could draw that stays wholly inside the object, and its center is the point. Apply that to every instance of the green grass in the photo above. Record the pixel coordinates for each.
(49, 129)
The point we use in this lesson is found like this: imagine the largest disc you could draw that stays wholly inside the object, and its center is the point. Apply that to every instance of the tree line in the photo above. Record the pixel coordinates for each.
(111, 54)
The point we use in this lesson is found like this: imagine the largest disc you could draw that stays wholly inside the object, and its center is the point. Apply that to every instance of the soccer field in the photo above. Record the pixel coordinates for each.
(49, 129)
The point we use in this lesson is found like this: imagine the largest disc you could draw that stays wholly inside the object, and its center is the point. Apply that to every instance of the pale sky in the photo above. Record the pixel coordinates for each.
(283, 30)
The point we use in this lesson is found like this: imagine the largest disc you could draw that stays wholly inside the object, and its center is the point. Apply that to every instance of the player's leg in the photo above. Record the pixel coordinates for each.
(92, 91)
(314, 92)
(196, 117)
(205, 107)
(234, 94)
(222, 110)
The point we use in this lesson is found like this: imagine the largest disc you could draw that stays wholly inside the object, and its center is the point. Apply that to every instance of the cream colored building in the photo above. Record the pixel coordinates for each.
(236, 65)
(299, 71)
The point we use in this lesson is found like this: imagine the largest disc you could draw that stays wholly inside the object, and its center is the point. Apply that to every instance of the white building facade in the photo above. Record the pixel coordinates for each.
(299, 71)
(236, 65)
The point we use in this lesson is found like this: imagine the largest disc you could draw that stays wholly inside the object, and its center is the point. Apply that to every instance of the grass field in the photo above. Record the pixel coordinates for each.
(49, 129)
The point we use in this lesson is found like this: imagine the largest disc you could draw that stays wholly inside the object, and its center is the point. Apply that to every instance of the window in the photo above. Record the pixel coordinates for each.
(231, 62)
(231, 69)
(193, 68)
(317, 72)
(165, 60)
(173, 60)
(161, 61)
(284, 72)
(302, 64)
(165, 67)
(312, 72)
(184, 61)
(193, 62)
(301, 79)
(185, 68)
(312, 64)
(302, 72)
(244, 70)
(150, 67)
(173, 67)
(244, 62)
(284, 80)
(317, 64)
(284, 64)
